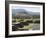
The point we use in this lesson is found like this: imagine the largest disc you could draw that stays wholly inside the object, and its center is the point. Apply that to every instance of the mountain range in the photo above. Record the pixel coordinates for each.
(23, 11)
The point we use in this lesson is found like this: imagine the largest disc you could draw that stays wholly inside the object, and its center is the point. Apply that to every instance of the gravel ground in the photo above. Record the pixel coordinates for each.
(36, 27)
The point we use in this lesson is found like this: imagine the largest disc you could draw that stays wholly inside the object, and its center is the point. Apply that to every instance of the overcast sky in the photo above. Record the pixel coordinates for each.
(32, 9)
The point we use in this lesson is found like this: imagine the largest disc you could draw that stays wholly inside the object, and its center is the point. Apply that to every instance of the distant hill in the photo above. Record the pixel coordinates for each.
(33, 13)
(22, 11)
(16, 11)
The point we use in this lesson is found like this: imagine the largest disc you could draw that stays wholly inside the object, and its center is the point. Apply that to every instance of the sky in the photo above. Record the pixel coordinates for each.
(33, 9)
(30, 10)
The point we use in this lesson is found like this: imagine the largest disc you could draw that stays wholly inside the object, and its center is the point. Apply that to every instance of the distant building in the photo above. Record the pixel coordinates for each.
(21, 13)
